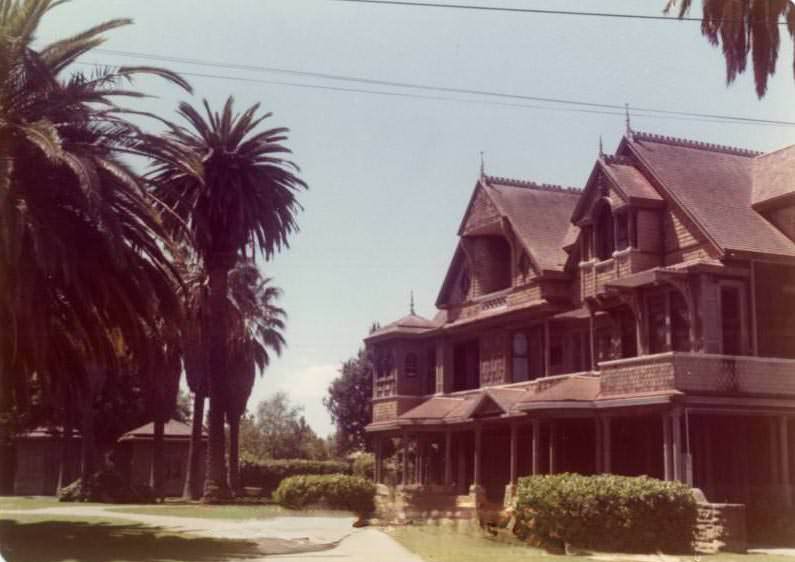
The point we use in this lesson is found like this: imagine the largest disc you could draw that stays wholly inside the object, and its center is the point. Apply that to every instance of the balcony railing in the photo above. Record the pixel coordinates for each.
(699, 373)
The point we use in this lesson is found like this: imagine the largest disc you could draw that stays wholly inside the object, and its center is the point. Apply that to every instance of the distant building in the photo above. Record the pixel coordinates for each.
(38, 461)
(134, 455)
(642, 325)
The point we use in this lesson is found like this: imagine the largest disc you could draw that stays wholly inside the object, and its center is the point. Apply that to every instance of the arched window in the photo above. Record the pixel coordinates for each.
(604, 241)
(411, 365)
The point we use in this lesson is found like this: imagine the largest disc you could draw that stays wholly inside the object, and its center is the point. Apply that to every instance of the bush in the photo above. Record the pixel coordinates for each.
(337, 491)
(606, 512)
(364, 466)
(268, 474)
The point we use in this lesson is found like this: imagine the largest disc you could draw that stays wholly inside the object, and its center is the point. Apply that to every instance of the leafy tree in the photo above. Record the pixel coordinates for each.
(280, 431)
(240, 198)
(85, 274)
(743, 28)
(348, 403)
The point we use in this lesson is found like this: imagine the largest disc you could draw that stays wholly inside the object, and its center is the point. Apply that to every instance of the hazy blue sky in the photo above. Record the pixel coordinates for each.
(390, 176)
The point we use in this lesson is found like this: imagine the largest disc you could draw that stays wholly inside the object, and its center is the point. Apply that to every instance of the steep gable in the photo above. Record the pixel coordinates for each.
(711, 186)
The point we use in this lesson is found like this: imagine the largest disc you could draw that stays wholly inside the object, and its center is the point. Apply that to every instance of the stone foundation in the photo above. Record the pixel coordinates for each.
(721, 527)
(423, 504)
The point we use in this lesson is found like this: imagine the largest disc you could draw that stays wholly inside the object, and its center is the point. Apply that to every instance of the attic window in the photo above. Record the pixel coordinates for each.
(465, 282)
(524, 264)
(604, 241)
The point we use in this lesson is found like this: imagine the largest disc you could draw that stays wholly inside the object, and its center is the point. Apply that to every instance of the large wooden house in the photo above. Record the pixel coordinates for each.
(644, 324)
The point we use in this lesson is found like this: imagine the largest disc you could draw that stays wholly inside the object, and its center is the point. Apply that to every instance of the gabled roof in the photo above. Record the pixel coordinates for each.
(713, 186)
(572, 389)
(539, 215)
(773, 177)
(173, 430)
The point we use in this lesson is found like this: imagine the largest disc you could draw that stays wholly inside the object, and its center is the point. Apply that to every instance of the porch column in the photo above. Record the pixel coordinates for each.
(418, 459)
(514, 448)
(598, 447)
(462, 466)
(448, 457)
(378, 459)
(476, 476)
(553, 453)
(536, 448)
(404, 476)
(783, 447)
(666, 421)
(773, 434)
(606, 446)
(676, 457)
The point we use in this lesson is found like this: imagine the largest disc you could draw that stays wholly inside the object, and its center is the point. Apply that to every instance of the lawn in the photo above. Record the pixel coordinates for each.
(32, 538)
(28, 502)
(437, 544)
(232, 512)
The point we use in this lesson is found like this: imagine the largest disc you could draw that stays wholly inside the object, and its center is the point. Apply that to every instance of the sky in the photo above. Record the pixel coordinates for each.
(390, 175)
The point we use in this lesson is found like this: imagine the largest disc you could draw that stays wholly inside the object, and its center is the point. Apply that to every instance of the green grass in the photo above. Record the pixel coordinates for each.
(28, 502)
(232, 512)
(437, 544)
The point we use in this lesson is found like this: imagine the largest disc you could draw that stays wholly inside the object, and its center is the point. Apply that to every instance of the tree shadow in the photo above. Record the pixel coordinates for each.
(61, 541)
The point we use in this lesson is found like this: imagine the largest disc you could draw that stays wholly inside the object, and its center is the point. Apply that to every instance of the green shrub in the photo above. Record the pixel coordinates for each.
(364, 466)
(268, 474)
(606, 512)
(337, 491)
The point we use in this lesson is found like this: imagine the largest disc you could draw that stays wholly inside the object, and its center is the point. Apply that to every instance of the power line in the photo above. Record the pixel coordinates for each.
(422, 87)
(538, 11)
(636, 113)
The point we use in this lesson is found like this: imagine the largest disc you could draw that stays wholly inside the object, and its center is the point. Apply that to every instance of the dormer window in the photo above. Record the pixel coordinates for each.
(465, 282)
(604, 233)
(622, 231)
(524, 265)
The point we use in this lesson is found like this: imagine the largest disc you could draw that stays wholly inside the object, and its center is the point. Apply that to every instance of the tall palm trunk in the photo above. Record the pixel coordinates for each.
(193, 482)
(6, 444)
(88, 453)
(156, 469)
(215, 486)
(234, 453)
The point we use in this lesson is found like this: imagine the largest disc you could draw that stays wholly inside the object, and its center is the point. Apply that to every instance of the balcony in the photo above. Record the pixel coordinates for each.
(698, 373)
(595, 274)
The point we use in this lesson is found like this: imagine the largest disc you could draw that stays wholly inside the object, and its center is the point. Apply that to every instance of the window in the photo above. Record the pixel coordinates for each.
(521, 366)
(680, 322)
(524, 265)
(466, 365)
(535, 352)
(411, 365)
(622, 231)
(731, 320)
(629, 339)
(604, 243)
(465, 282)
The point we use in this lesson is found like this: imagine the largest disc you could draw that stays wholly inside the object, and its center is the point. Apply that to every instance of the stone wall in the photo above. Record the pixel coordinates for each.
(721, 527)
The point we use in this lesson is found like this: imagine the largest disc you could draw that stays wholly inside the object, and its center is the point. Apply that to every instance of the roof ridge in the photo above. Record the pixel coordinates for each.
(701, 145)
(618, 159)
(514, 182)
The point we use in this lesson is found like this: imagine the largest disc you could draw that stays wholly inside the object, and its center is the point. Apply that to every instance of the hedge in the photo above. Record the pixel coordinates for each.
(606, 512)
(337, 491)
(364, 466)
(268, 474)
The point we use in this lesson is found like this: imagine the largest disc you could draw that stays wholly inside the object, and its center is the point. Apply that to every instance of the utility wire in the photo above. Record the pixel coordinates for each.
(423, 87)
(635, 113)
(540, 11)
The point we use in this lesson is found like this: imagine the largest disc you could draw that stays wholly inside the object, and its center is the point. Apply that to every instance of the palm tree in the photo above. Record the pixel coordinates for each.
(84, 260)
(243, 201)
(256, 326)
(743, 28)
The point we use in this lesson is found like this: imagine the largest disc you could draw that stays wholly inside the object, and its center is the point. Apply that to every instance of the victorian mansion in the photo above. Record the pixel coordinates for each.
(644, 324)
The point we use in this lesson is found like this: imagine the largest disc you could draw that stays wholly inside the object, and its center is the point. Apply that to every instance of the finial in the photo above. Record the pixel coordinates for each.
(601, 147)
(629, 128)
(411, 305)
(482, 166)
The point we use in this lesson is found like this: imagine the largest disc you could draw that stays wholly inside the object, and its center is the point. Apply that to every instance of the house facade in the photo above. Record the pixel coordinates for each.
(644, 324)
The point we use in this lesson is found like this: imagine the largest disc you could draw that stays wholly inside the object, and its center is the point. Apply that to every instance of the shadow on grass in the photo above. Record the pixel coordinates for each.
(59, 541)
